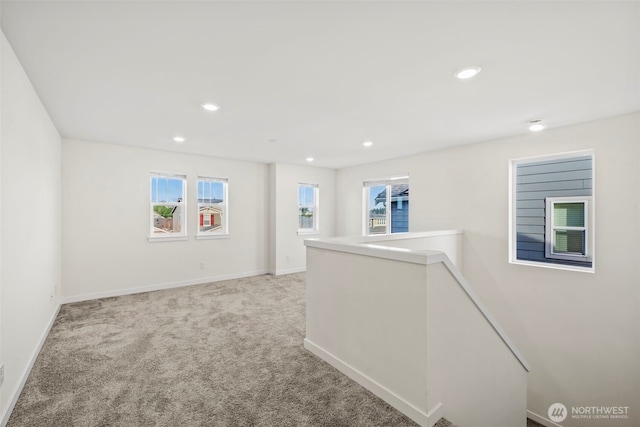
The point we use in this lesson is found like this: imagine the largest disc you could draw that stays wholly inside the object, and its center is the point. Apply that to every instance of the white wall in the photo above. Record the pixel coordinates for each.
(366, 316)
(272, 223)
(30, 225)
(106, 221)
(287, 247)
(470, 370)
(579, 331)
(1, 66)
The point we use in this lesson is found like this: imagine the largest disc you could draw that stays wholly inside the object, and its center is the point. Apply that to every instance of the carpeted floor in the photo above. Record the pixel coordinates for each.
(222, 354)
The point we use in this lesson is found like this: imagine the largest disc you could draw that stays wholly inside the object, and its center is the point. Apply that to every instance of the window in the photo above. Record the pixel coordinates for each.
(308, 208)
(212, 207)
(552, 211)
(167, 211)
(566, 234)
(386, 206)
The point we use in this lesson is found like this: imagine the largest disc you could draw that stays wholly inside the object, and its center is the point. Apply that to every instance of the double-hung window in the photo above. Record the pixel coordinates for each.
(567, 226)
(308, 208)
(167, 207)
(212, 207)
(386, 204)
(552, 205)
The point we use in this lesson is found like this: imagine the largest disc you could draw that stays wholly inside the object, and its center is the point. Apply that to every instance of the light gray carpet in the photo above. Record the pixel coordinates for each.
(221, 354)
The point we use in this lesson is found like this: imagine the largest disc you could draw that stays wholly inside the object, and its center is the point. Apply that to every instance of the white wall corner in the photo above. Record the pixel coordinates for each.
(434, 415)
(15, 394)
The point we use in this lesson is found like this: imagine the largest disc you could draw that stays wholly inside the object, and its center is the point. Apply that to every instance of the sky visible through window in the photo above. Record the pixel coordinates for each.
(210, 191)
(165, 190)
(373, 193)
(305, 195)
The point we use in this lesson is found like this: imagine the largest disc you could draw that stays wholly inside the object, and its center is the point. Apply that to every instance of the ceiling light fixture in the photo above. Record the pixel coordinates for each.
(536, 125)
(467, 72)
(210, 107)
(310, 159)
(367, 144)
(179, 139)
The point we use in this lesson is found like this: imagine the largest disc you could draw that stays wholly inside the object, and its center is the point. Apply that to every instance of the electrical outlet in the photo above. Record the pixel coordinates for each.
(202, 266)
(1, 375)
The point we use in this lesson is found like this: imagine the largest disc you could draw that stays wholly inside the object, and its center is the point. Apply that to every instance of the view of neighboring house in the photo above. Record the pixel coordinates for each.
(210, 218)
(166, 219)
(162, 224)
(399, 214)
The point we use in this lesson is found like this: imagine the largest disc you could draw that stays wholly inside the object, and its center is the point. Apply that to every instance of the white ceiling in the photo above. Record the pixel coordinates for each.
(298, 79)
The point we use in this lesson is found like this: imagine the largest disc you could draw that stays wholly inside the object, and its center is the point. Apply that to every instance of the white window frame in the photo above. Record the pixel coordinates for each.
(551, 228)
(388, 182)
(513, 250)
(224, 207)
(315, 229)
(182, 204)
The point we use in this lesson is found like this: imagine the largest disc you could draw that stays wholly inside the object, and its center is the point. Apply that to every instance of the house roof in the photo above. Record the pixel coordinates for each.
(209, 209)
(210, 201)
(397, 190)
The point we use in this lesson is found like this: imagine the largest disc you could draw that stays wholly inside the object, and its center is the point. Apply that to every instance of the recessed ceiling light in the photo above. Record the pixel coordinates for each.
(367, 143)
(210, 107)
(179, 139)
(310, 159)
(536, 125)
(467, 72)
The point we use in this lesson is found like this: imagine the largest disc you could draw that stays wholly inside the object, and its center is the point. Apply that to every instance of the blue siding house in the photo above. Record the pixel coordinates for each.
(399, 207)
(536, 182)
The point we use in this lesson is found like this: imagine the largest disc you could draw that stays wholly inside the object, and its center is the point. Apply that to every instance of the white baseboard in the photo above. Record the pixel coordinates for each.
(158, 287)
(16, 392)
(435, 414)
(290, 271)
(379, 390)
(541, 420)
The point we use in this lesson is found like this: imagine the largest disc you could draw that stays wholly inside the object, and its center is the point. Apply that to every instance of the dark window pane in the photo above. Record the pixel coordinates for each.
(569, 241)
(568, 214)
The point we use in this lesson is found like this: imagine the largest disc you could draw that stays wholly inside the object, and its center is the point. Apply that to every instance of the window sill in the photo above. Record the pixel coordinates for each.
(157, 239)
(554, 266)
(211, 236)
(574, 258)
(308, 232)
